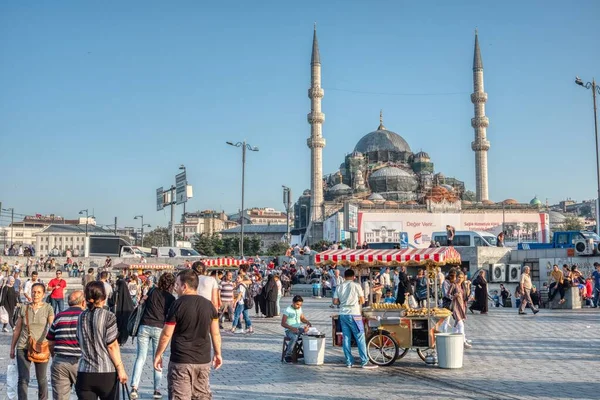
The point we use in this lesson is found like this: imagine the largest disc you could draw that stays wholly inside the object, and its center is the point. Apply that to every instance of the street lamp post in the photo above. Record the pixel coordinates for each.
(244, 146)
(287, 198)
(595, 89)
(142, 230)
(85, 243)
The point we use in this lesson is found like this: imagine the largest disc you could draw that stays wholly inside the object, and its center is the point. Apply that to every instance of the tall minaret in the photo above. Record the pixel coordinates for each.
(480, 123)
(316, 142)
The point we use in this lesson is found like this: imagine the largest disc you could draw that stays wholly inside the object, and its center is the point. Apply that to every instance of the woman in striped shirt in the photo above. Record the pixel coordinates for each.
(100, 368)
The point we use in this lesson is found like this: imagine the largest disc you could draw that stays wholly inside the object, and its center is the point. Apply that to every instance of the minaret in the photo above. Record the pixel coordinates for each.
(316, 142)
(480, 123)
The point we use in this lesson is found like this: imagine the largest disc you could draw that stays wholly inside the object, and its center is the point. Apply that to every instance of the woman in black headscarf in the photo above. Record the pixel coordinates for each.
(123, 306)
(481, 293)
(404, 286)
(270, 296)
(8, 300)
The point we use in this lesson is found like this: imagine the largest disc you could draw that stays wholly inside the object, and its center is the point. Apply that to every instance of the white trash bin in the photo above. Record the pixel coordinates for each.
(450, 349)
(314, 349)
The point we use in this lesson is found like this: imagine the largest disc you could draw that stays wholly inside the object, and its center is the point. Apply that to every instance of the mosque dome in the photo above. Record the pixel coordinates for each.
(366, 203)
(510, 202)
(422, 155)
(535, 202)
(487, 203)
(392, 179)
(376, 197)
(382, 140)
(340, 188)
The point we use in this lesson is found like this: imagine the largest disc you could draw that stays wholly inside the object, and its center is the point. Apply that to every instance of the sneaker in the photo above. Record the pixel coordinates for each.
(348, 365)
(250, 331)
(237, 331)
(5, 330)
(469, 341)
(522, 313)
(468, 346)
(134, 393)
(369, 366)
(157, 395)
(288, 360)
(535, 311)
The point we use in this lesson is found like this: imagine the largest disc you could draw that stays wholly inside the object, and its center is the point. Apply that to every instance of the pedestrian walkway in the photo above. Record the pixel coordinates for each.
(552, 355)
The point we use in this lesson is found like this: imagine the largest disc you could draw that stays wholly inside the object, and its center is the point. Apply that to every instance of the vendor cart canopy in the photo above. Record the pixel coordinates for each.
(224, 262)
(396, 257)
(152, 267)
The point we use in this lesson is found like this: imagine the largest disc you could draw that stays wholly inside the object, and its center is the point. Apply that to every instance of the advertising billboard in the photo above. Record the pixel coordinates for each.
(418, 227)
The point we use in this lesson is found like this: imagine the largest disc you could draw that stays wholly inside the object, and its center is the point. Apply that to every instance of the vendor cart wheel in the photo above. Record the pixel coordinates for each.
(403, 353)
(423, 353)
(382, 349)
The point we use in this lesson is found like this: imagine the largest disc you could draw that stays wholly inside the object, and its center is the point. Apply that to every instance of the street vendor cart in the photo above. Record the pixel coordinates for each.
(391, 330)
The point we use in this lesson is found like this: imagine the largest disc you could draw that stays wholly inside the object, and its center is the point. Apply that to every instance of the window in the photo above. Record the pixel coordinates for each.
(563, 238)
(461, 240)
(577, 236)
(19, 234)
(478, 241)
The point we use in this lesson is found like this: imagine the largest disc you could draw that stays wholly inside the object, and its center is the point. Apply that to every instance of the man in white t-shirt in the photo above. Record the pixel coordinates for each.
(350, 297)
(207, 285)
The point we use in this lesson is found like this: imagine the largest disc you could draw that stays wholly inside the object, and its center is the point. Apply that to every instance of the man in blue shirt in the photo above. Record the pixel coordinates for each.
(596, 278)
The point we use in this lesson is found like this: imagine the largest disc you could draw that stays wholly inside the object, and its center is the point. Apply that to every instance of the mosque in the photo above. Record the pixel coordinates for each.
(399, 190)
(382, 168)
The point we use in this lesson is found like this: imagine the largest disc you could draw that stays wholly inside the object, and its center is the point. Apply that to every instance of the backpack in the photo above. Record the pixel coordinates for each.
(248, 299)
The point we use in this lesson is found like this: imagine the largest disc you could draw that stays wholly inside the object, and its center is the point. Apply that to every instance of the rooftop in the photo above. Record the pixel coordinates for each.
(251, 229)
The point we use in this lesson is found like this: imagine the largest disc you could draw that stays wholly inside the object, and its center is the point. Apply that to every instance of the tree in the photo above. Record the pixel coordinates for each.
(203, 244)
(159, 237)
(252, 245)
(346, 243)
(585, 211)
(277, 249)
(572, 223)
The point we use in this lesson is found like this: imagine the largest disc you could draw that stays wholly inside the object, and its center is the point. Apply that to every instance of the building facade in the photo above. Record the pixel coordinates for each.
(23, 232)
(60, 238)
(268, 234)
(206, 222)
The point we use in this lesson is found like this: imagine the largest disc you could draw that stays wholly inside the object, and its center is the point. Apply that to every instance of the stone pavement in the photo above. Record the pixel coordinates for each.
(551, 355)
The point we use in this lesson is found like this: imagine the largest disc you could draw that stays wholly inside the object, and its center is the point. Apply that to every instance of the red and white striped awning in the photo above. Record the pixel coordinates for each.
(144, 266)
(224, 262)
(367, 257)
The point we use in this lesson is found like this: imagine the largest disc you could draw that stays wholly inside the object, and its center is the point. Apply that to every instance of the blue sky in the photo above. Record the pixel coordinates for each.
(101, 102)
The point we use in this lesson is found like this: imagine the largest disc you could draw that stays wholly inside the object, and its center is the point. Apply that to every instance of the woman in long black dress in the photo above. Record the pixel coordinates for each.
(8, 300)
(123, 308)
(481, 293)
(270, 296)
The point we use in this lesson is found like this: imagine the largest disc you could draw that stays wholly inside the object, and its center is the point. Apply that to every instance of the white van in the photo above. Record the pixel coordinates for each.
(466, 238)
(163, 252)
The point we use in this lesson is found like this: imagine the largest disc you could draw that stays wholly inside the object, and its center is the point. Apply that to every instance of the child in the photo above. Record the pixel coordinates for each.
(389, 299)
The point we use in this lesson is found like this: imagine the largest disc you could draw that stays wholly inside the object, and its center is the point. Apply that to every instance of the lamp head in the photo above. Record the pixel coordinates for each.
(138, 216)
(254, 148)
(230, 143)
(182, 167)
(578, 81)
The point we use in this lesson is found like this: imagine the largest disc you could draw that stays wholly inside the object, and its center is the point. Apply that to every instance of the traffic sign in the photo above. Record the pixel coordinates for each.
(181, 188)
(159, 199)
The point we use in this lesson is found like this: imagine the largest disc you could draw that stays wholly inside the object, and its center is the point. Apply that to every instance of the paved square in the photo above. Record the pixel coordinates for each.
(551, 355)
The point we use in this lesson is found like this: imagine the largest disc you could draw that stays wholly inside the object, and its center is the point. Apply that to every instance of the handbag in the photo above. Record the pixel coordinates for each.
(38, 352)
(133, 323)
(126, 395)
(3, 315)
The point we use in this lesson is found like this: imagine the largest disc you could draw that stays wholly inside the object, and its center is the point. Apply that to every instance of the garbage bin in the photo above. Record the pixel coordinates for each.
(314, 349)
(316, 290)
(450, 349)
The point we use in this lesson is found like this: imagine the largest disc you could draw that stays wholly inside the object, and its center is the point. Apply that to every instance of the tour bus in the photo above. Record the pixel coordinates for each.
(466, 238)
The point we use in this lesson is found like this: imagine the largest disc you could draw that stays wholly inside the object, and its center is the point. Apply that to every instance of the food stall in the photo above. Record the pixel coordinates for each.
(141, 268)
(391, 330)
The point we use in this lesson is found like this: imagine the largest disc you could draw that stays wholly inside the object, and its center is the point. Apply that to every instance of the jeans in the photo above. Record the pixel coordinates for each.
(352, 325)
(146, 334)
(64, 375)
(333, 290)
(41, 371)
(57, 305)
(237, 320)
(596, 296)
(293, 340)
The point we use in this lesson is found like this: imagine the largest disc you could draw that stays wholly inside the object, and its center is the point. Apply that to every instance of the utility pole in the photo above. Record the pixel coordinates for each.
(173, 202)
(12, 221)
(115, 226)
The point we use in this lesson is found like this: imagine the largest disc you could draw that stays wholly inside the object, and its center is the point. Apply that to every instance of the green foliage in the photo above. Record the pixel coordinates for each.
(572, 223)
(157, 237)
(346, 243)
(277, 249)
(204, 244)
(320, 245)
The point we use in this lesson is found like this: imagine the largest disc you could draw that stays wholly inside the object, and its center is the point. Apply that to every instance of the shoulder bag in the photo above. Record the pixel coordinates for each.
(133, 323)
(38, 352)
